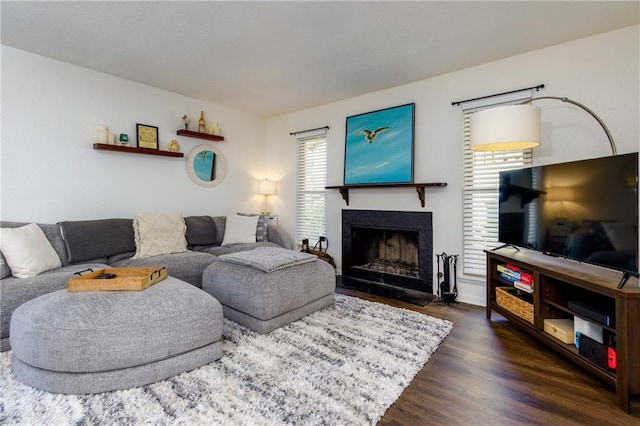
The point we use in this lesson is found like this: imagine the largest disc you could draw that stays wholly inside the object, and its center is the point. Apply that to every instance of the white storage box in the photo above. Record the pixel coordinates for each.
(587, 328)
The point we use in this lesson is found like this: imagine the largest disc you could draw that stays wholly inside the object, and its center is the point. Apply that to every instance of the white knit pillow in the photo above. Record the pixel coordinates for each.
(159, 233)
(240, 229)
(28, 251)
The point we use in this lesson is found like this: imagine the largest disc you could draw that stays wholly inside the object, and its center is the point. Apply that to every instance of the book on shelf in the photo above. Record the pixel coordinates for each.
(524, 287)
(513, 273)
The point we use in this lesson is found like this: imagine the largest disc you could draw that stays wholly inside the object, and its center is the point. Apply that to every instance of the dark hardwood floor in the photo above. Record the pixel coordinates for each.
(490, 373)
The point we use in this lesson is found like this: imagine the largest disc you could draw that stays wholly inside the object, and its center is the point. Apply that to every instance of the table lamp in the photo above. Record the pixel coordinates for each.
(266, 187)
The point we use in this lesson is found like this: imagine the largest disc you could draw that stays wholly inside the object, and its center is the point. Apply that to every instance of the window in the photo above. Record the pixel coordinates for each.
(480, 187)
(311, 195)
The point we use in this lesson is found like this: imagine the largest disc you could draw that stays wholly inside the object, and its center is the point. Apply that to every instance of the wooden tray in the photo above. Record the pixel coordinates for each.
(126, 279)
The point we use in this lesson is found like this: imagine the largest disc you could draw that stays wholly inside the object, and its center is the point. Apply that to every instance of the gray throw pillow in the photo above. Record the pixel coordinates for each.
(201, 231)
(95, 239)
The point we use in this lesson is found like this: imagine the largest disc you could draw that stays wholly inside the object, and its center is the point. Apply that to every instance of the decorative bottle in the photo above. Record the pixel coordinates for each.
(202, 125)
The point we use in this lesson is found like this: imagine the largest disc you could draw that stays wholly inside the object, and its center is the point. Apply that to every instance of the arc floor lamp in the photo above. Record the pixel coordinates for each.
(517, 127)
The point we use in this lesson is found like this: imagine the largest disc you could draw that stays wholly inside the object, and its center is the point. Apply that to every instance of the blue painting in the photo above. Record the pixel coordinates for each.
(379, 146)
(204, 165)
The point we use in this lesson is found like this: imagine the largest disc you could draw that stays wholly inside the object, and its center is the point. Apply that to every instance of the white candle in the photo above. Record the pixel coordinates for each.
(103, 131)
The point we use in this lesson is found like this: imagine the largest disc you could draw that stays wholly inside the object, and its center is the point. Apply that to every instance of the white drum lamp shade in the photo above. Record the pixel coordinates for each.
(506, 128)
(266, 187)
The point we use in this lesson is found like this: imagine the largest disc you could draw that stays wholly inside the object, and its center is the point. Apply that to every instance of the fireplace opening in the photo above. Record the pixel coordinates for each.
(389, 251)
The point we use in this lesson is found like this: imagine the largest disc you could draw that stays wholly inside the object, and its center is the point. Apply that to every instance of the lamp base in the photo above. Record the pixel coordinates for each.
(265, 208)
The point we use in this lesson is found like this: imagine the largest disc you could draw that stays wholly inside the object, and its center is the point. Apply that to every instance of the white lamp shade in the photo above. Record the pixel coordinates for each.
(506, 128)
(266, 187)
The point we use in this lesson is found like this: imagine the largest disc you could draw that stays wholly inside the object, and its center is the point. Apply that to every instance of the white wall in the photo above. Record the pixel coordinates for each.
(601, 72)
(50, 113)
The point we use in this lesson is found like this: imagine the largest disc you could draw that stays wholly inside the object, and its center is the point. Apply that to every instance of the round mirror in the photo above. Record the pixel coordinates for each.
(206, 166)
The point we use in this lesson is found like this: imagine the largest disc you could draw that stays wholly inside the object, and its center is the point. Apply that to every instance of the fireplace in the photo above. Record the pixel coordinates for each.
(389, 248)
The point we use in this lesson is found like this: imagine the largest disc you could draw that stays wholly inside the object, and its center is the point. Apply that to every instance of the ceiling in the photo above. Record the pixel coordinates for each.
(273, 57)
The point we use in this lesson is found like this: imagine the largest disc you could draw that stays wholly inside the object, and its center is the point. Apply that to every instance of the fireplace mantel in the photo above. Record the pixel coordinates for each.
(344, 189)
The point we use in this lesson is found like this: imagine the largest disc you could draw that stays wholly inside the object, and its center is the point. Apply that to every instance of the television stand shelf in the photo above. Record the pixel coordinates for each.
(559, 285)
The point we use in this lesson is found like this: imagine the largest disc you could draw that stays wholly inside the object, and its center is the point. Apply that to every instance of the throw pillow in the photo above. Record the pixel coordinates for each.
(159, 233)
(201, 230)
(27, 251)
(261, 229)
(240, 229)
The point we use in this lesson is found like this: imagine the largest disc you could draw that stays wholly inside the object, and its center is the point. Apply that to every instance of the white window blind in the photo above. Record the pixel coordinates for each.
(480, 187)
(311, 198)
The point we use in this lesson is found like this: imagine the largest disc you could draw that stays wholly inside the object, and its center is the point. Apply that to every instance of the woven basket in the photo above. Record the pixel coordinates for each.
(505, 297)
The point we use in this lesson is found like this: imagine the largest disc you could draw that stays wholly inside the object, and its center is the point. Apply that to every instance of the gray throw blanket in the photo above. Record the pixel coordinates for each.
(269, 259)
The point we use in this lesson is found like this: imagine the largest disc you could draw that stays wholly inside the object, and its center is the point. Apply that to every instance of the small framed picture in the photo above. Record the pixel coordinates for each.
(147, 136)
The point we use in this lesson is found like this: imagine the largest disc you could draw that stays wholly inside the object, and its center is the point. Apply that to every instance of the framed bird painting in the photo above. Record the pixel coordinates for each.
(379, 146)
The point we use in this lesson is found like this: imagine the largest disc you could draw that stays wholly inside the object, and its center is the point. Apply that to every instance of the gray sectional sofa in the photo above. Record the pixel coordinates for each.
(108, 243)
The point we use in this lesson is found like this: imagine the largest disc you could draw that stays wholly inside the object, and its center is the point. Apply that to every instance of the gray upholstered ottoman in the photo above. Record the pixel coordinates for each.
(265, 301)
(92, 342)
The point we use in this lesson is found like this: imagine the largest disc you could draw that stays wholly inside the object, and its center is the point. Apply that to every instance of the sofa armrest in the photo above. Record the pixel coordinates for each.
(278, 235)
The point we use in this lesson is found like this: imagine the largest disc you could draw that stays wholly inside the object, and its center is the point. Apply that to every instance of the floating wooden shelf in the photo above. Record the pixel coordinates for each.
(135, 150)
(199, 135)
(344, 189)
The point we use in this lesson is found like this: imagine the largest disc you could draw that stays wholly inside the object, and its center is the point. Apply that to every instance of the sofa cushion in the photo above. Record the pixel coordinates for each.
(94, 239)
(184, 266)
(201, 230)
(27, 251)
(159, 233)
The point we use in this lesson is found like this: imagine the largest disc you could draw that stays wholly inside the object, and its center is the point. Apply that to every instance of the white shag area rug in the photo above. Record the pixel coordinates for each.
(343, 365)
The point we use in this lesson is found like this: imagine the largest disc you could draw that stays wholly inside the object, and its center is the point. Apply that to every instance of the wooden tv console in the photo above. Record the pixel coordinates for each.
(558, 281)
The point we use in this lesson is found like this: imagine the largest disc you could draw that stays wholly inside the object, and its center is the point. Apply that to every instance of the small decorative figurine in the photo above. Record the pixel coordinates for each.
(186, 121)
(202, 125)
(174, 146)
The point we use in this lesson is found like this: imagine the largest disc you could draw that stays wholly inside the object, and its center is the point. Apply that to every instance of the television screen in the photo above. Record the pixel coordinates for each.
(584, 210)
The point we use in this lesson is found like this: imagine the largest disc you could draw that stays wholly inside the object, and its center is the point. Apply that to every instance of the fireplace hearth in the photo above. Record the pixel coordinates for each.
(388, 251)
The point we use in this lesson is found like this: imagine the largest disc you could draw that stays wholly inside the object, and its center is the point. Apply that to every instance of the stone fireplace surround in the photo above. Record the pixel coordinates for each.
(415, 228)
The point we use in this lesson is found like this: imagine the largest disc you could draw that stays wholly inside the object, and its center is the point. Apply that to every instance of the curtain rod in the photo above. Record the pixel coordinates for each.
(538, 87)
(309, 130)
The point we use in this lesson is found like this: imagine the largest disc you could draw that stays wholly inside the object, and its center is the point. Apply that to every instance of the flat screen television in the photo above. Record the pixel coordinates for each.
(584, 210)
